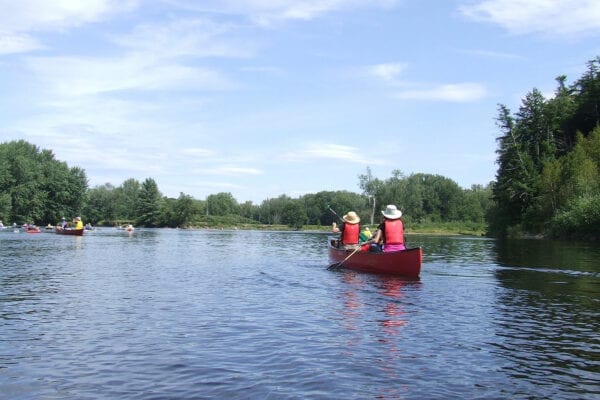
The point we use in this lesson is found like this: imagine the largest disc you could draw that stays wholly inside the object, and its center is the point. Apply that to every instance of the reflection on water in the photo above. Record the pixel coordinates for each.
(234, 314)
(374, 316)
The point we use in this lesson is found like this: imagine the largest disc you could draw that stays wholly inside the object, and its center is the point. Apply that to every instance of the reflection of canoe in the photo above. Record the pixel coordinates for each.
(68, 231)
(406, 262)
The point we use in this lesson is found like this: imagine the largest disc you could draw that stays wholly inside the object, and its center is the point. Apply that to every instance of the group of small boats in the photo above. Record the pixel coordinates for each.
(28, 228)
(31, 228)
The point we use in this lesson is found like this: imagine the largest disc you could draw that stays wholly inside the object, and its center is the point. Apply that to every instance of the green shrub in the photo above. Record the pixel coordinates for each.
(581, 220)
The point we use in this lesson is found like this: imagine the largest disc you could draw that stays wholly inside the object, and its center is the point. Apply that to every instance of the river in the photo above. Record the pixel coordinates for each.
(209, 314)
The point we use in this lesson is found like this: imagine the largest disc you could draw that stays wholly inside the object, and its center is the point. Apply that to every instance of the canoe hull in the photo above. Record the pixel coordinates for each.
(74, 232)
(405, 263)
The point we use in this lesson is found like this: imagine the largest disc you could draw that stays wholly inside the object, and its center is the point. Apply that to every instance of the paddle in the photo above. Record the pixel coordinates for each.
(334, 213)
(339, 264)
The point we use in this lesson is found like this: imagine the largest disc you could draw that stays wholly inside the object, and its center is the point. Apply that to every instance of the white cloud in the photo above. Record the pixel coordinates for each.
(76, 76)
(493, 54)
(197, 152)
(459, 92)
(18, 43)
(44, 15)
(187, 37)
(266, 12)
(228, 170)
(554, 17)
(20, 20)
(328, 151)
(389, 72)
(453, 92)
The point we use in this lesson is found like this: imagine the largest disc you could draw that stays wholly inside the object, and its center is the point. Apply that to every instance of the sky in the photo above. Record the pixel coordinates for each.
(261, 98)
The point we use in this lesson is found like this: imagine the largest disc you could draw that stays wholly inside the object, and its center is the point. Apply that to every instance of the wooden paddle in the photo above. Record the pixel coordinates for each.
(339, 265)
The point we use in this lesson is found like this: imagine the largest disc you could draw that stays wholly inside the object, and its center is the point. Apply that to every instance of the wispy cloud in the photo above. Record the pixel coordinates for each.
(327, 151)
(193, 37)
(552, 17)
(228, 170)
(459, 92)
(197, 152)
(388, 72)
(11, 43)
(268, 12)
(20, 21)
(492, 54)
(76, 76)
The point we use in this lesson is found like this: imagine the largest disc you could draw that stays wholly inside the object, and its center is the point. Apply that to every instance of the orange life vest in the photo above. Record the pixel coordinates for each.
(394, 231)
(350, 234)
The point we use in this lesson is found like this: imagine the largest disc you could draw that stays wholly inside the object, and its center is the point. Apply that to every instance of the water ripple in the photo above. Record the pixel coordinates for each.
(163, 314)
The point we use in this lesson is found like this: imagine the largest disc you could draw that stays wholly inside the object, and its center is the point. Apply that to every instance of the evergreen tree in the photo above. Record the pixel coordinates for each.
(149, 203)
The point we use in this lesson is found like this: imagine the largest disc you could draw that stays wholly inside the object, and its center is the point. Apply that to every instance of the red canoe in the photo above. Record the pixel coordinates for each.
(405, 262)
(68, 231)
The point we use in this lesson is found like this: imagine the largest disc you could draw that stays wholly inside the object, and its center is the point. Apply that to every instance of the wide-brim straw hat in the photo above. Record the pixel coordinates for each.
(391, 212)
(351, 218)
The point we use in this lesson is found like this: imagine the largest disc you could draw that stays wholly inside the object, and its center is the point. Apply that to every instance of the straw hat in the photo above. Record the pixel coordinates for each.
(391, 212)
(351, 218)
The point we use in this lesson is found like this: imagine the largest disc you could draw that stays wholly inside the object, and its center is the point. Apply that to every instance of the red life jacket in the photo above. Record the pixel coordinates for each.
(350, 234)
(394, 231)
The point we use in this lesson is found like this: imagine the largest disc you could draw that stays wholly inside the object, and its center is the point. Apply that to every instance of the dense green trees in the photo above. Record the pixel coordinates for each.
(428, 198)
(548, 180)
(35, 187)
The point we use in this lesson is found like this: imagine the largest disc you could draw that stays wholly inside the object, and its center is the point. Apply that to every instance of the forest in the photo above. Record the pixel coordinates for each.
(548, 180)
(37, 188)
(547, 183)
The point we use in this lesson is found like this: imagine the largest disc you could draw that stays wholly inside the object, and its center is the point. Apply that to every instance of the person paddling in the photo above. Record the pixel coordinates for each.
(78, 223)
(349, 230)
(390, 233)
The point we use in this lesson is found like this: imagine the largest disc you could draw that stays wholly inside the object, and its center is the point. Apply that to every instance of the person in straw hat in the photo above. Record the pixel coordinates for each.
(390, 233)
(349, 230)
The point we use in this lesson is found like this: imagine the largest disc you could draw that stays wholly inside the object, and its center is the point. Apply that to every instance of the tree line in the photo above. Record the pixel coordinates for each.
(548, 178)
(37, 188)
(427, 198)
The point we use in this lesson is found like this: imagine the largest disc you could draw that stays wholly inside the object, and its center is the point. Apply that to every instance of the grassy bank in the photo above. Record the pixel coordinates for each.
(426, 228)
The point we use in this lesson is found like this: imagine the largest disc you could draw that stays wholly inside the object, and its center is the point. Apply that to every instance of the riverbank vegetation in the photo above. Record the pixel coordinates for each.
(548, 183)
(548, 179)
(40, 189)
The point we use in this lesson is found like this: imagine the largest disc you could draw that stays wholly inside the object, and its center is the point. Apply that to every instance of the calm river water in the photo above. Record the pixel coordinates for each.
(183, 314)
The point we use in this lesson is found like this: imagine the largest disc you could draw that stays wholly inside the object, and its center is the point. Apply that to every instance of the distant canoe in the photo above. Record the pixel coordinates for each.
(33, 229)
(68, 231)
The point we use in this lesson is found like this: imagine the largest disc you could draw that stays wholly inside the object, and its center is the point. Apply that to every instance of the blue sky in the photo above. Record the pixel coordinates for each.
(261, 98)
